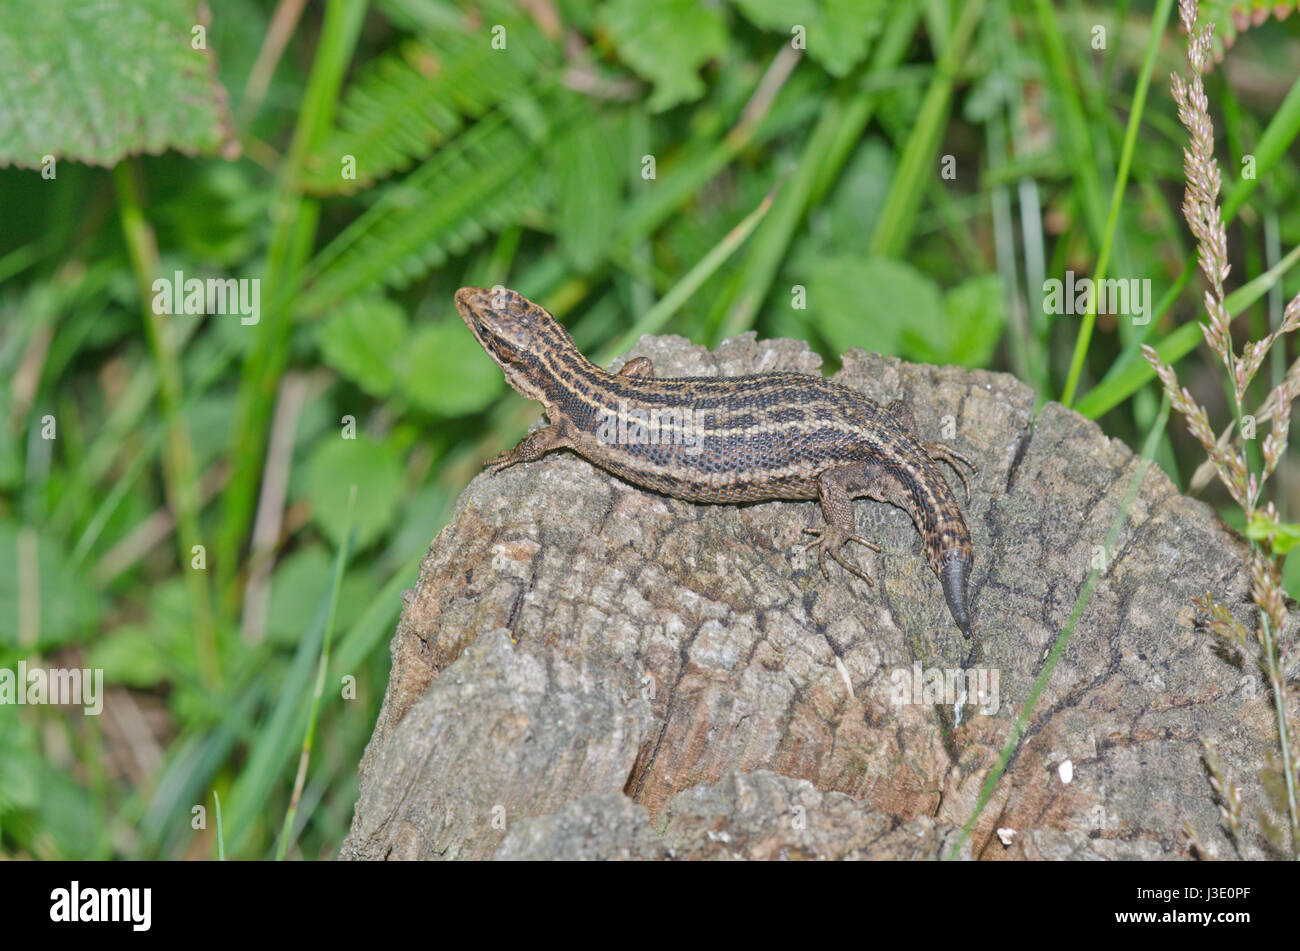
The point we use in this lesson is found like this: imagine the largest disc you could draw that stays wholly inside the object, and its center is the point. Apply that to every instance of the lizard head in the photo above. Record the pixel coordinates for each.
(514, 331)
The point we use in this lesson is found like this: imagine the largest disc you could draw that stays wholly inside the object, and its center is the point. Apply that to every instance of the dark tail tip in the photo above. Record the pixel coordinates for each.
(956, 569)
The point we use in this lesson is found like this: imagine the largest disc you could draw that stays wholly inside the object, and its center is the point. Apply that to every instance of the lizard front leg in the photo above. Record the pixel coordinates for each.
(533, 446)
(638, 367)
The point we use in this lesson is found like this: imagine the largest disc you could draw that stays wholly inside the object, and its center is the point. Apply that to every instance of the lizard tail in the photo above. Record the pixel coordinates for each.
(956, 569)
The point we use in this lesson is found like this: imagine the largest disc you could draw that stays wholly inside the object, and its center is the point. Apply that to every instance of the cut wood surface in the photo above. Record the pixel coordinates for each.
(588, 670)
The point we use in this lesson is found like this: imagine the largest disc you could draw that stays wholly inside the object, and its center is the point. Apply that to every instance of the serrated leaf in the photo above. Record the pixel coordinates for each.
(447, 372)
(361, 340)
(92, 82)
(836, 33)
(335, 466)
(667, 43)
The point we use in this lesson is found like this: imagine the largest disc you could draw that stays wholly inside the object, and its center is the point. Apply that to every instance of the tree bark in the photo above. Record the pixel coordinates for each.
(586, 669)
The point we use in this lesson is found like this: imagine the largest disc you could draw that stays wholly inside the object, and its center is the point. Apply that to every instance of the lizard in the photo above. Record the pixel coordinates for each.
(729, 440)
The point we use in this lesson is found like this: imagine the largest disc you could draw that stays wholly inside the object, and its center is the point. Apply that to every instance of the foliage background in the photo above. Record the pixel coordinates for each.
(778, 172)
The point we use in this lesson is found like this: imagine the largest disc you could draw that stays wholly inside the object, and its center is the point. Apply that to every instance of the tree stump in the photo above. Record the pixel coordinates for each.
(589, 670)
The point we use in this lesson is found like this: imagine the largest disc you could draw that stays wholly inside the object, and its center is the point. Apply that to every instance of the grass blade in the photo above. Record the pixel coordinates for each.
(221, 841)
(1158, 21)
(1058, 648)
(310, 735)
(837, 132)
(656, 317)
(916, 164)
(1129, 374)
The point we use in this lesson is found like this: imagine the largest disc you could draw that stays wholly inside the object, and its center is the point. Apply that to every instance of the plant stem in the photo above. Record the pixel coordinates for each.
(179, 473)
(309, 736)
(294, 226)
(1278, 683)
(1158, 20)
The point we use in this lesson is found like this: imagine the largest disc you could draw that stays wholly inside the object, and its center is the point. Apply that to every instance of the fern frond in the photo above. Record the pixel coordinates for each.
(410, 100)
(485, 179)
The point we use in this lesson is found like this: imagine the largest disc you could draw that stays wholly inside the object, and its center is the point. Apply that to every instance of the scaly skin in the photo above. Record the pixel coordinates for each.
(728, 440)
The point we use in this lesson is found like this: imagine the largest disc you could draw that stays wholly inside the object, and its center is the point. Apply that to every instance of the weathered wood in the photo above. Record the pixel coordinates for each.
(585, 669)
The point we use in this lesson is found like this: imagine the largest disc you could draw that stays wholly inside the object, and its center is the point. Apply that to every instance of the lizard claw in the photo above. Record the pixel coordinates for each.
(829, 539)
(502, 461)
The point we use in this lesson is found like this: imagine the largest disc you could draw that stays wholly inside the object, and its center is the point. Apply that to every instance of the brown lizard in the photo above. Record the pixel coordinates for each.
(729, 440)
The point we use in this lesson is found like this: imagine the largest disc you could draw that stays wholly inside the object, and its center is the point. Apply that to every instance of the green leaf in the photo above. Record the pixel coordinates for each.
(158, 649)
(485, 179)
(838, 33)
(371, 466)
(64, 608)
(92, 82)
(20, 760)
(296, 589)
(973, 325)
(447, 372)
(299, 583)
(422, 515)
(871, 302)
(667, 43)
(1282, 535)
(1291, 573)
(129, 655)
(585, 168)
(361, 339)
(851, 210)
(11, 469)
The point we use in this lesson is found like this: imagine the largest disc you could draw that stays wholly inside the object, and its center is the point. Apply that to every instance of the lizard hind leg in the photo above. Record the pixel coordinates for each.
(937, 451)
(941, 453)
(837, 506)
